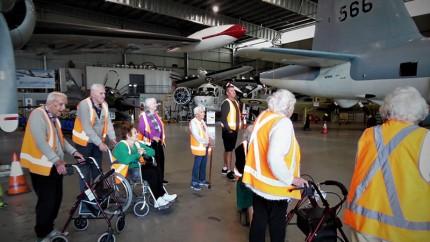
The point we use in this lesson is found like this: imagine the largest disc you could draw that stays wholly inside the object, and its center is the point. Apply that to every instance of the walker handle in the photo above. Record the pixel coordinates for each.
(338, 184)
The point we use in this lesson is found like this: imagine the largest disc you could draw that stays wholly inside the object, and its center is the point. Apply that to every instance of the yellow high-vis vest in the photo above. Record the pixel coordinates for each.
(31, 157)
(232, 115)
(78, 135)
(388, 197)
(257, 174)
(197, 148)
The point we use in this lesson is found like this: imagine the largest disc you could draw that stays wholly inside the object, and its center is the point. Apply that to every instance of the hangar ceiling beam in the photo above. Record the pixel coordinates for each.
(197, 15)
(303, 7)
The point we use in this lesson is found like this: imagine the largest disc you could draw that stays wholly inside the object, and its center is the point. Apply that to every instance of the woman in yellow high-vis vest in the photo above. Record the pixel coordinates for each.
(200, 143)
(390, 187)
(272, 167)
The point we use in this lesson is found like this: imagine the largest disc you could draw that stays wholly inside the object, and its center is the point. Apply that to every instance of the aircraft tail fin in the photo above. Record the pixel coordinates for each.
(342, 26)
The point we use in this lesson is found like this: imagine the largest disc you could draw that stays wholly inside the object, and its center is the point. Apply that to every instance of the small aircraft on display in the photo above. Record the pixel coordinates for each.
(362, 50)
(208, 93)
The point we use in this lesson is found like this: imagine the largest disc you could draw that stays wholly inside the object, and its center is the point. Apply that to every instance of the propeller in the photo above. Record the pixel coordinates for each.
(182, 95)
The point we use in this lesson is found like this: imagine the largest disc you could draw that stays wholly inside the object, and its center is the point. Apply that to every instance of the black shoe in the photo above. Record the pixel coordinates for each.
(165, 182)
(224, 171)
(230, 176)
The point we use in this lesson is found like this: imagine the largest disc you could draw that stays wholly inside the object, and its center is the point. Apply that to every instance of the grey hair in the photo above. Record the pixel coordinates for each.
(149, 101)
(53, 95)
(198, 109)
(96, 86)
(404, 104)
(282, 101)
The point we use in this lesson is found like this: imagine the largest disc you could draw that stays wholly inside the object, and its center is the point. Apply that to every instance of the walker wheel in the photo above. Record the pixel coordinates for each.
(141, 208)
(59, 238)
(80, 223)
(106, 238)
(120, 224)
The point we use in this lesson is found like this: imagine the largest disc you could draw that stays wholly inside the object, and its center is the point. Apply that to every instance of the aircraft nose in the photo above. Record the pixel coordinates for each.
(236, 31)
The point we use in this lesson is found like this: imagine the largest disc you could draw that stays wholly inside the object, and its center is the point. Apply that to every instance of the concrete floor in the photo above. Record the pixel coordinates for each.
(206, 215)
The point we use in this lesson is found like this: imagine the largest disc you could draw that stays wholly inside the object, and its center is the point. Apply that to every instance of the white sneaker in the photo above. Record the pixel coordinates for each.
(170, 197)
(160, 203)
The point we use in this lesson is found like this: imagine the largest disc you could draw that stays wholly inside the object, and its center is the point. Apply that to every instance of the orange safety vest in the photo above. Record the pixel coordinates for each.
(145, 139)
(120, 167)
(197, 148)
(231, 117)
(79, 136)
(257, 174)
(388, 198)
(31, 157)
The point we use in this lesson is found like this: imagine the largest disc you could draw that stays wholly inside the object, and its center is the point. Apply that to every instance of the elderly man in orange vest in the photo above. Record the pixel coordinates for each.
(92, 125)
(272, 167)
(42, 153)
(390, 187)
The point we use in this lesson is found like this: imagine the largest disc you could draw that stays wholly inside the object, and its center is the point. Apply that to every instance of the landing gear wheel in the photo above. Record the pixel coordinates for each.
(120, 224)
(59, 238)
(80, 223)
(141, 208)
(106, 238)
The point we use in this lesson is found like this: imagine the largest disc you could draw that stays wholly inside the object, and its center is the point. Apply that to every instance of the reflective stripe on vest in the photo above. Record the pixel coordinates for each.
(145, 139)
(232, 115)
(197, 148)
(257, 174)
(31, 157)
(78, 134)
(381, 162)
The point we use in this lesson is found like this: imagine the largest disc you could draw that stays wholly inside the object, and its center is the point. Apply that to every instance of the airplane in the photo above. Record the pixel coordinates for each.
(64, 38)
(208, 93)
(362, 50)
(20, 31)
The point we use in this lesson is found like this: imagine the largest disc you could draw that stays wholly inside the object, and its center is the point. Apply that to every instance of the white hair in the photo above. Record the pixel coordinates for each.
(282, 101)
(198, 109)
(53, 95)
(149, 101)
(97, 86)
(404, 104)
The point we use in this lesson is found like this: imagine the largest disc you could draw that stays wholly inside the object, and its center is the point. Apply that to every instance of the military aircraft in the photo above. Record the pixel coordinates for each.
(19, 30)
(362, 50)
(208, 94)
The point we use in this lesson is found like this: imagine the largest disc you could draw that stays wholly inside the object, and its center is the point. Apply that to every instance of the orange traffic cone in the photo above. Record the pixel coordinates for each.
(324, 129)
(17, 183)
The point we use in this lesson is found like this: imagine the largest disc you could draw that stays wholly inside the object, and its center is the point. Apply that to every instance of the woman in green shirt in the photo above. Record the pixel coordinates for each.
(129, 152)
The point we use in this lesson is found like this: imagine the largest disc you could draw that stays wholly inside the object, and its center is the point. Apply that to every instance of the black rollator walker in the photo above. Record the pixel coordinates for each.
(319, 224)
(95, 202)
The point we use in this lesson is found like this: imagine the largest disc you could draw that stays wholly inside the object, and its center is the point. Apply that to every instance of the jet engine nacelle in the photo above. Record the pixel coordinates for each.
(21, 18)
(182, 95)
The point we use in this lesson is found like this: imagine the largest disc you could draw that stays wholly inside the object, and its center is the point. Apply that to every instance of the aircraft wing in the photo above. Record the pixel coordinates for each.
(67, 37)
(213, 77)
(294, 56)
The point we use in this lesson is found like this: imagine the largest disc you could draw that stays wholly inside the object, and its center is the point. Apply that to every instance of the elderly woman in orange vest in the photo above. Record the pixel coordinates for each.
(390, 189)
(272, 167)
(200, 147)
(151, 132)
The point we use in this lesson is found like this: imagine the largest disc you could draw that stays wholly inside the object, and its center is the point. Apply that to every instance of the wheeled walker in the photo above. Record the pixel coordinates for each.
(96, 203)
(319, 223)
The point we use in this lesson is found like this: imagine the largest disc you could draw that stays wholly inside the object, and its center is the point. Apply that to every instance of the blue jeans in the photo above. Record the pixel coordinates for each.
(90, 170)
(199, 169)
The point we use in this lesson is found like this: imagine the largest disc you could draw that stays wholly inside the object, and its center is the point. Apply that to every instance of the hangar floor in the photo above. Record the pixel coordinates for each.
(206, 215)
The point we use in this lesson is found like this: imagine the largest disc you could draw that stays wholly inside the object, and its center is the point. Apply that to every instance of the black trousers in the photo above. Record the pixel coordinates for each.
(268, 212)
(159, 156)
(152, 175)
(49, 192)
